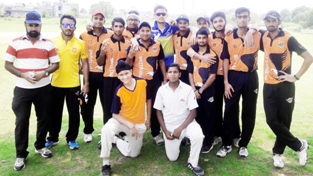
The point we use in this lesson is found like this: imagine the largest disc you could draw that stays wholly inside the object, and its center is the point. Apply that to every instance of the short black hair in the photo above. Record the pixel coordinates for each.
(217, 14)
(144, 24)
(133, 11)
(69, 17)
(173, 65)
(241, 10)
(118, 19)
(160, 7)
(202, 32)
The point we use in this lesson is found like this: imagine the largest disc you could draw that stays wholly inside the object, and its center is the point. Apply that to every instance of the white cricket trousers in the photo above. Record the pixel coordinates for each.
(194, 133)
(130, 149)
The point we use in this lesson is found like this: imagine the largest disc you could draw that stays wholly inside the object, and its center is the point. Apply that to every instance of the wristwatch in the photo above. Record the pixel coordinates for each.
(47, 73)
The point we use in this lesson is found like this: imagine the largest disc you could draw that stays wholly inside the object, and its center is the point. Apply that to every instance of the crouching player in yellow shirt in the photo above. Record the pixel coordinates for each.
(128, 110)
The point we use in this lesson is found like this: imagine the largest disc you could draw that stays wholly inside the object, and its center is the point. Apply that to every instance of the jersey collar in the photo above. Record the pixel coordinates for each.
(235, 33)
(40, 37)
(104, 30)
(152, 42)
(131, 31)
(186, 35)
(167, 26)
(280, 34)
(196, 48)
(114, 40)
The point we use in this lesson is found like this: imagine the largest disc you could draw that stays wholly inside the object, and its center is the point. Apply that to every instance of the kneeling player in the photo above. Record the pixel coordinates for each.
(128, 111)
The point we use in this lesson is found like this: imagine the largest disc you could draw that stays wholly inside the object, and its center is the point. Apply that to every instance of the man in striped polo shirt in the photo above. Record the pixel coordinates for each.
(33, 54)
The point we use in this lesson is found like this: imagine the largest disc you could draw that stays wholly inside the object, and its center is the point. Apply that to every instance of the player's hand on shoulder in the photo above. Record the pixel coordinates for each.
(89, 27)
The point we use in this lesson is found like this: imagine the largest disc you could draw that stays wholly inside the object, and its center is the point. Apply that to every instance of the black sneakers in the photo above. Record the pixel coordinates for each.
(106, 170)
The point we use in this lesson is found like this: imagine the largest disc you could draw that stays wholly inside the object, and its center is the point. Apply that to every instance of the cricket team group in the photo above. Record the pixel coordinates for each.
(142, 85)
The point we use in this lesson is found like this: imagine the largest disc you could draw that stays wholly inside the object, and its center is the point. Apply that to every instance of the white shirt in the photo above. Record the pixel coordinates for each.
(176, 105)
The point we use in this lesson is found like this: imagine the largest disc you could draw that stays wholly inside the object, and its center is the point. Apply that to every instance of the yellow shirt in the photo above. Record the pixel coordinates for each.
(68, 73)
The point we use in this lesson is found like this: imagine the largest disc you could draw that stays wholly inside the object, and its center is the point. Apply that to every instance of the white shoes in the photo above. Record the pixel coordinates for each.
(223, 151)
(159, 140)
(243, 152)
(278, 162)
(302, 154)
(236, 142)
(88, 138)
(217, 140)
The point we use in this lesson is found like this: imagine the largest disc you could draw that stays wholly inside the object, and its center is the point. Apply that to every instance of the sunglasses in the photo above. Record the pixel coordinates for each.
(159, 14)
(65, 25)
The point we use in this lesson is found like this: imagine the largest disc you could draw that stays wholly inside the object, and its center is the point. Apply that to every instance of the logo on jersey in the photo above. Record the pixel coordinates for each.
(126, 49)
(57, 49)
(74, 50)
(154, 49)
(90, 41)
(188, 43)
(43, 50)
(211, 99)
(214, 44)
(289, 100)
(235, 46)
(182, 100)
(111, 50)
(281, 44)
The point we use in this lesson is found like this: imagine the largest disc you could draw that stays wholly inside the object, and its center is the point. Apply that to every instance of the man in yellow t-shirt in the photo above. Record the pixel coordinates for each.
(128, 110)
(66, 82)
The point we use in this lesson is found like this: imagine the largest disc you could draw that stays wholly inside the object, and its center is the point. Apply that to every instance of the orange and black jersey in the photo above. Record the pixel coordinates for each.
(131, 104)
(145, 63)
(200, 70)
(216, 44)
(93, 42)
(116, 50)
(181, 45)
(240, 57)
(277, 54)
(128, 34)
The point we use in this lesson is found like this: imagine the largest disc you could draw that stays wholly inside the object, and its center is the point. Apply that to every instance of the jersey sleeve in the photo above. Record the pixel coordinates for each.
(190, 66)
(261, 40)
(158, 103)
(148, 94)
(53, 55)
(192, 101)
(294, 45)
(83, 54)
(10, 54)
(116, 104)
(214, 67)
(225, 53)
(161, 53)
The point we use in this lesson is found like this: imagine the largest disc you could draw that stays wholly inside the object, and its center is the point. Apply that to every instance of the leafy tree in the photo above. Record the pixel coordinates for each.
(307, 19)
(83, 10)
(285, 15)
(73, 11)
(105, 7)
(45, 14)
(295, 15)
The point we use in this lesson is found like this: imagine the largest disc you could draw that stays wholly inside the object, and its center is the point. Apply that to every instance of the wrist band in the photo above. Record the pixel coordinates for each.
(296, 77)
(20, 74)
(199, 92)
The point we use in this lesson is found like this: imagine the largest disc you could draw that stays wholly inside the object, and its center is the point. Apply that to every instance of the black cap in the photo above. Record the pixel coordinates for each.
(206, 18)
(121, 66)
(33, 17)
(182, 17)
(272, 14)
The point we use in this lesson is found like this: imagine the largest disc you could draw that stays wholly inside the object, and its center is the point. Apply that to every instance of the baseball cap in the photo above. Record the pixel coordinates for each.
(272, 14)
(33, 17)
(206, 18)
(182, 17)
(98, 12)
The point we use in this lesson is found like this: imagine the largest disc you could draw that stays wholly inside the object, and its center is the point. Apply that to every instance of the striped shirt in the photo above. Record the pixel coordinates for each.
(31, 57)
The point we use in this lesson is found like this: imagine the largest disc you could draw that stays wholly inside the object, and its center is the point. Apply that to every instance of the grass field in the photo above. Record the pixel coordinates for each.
(152, 160)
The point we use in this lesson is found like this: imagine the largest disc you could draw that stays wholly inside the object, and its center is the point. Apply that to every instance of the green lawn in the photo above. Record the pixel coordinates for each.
(152, 160)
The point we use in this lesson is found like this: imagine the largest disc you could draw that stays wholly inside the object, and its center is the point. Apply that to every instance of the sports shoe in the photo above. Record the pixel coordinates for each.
(278, 162)
(125, 138)
(302, 154)
(217, 140)
(159, 140)
(236, 142)
(196, 170)
(45, 152)
(206, 149)
(223, 151)
(49, 144)
(99, 145)
(73, 145)
(19, 164)
(106, 170)
(88, 138)
(243, 152)
(185, 141)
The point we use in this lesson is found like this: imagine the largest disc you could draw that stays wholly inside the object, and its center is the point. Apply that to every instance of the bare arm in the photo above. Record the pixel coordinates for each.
(228, 87)
(308, 59)
(163, 70)
(148, 120)
(162, 124)
(192, 84)
(85, 88)
(208, 83)
(192, 115)
(102, 56)
(131, 126)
